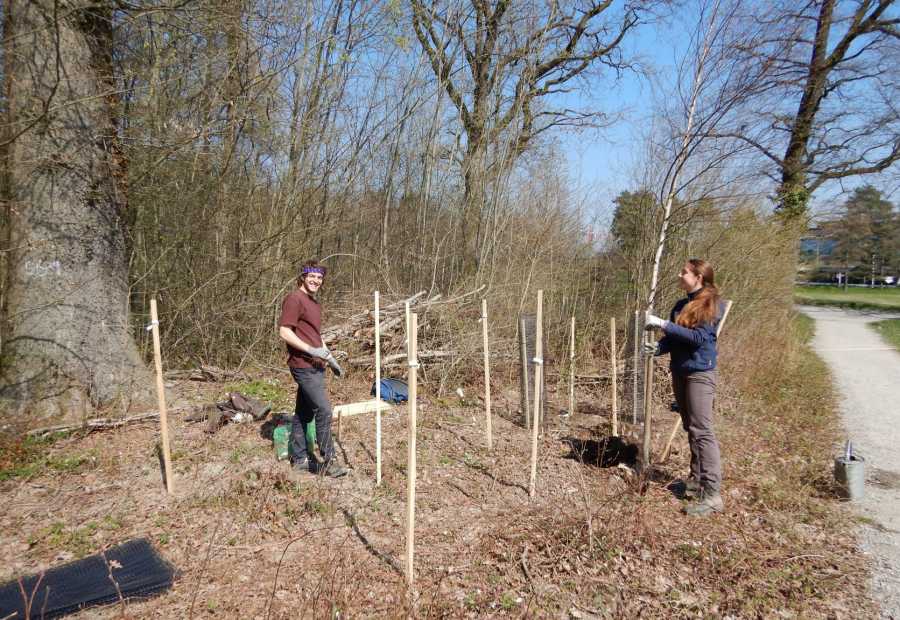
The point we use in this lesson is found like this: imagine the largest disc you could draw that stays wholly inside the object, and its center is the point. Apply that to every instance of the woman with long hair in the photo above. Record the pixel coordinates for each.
(689, 337)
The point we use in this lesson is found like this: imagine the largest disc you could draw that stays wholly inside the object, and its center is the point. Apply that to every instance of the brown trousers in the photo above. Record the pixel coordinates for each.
(694, 394)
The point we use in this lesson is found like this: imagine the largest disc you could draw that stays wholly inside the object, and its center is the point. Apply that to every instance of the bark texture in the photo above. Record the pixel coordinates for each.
(66, 341)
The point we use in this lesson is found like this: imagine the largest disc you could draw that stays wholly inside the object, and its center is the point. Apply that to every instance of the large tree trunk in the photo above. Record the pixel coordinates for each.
(793, 194)
(66, 345)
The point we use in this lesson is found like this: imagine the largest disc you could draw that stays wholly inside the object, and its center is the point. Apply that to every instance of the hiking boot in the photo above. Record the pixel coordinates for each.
(692, 488)
(299, 469)
(332, 469)
(708, 503)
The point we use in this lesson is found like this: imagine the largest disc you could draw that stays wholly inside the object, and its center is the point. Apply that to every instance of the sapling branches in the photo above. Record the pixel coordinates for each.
(716, 82)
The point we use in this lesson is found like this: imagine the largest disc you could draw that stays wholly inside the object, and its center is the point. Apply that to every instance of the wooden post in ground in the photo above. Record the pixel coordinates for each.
(523, 351)
(161, 396)
(613, 378)
(377, 389)
(635, 360)
(411, 454)
(406, 325)
(538, 372)
(646, 444)
(572, 368)
(487, 375)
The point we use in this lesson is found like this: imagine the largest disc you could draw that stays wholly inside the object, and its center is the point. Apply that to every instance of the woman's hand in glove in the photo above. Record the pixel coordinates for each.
(650, 348)
(654, 322)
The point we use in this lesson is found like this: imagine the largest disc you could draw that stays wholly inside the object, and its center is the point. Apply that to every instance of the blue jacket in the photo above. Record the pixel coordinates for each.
(691, 349)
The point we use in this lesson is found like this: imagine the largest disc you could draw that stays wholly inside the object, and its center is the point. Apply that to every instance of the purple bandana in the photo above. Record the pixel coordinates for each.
(318, 270)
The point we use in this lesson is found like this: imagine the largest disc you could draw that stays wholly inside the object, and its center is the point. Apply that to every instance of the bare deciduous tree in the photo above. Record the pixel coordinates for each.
(498, 61)
(831, 111)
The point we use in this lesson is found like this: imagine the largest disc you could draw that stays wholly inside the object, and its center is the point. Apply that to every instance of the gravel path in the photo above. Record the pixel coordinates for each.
(867, 375)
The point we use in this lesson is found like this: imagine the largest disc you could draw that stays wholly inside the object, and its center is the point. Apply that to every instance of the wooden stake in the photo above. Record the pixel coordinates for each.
(728, 304)
(538, 372)
(636, 360)
(377, 389)
(363, 406)
(411, 455)
(487, 375)
(161, 396)
(572, 368)
(406, 309)
(612, 374)
(646, 446)
(526, 400)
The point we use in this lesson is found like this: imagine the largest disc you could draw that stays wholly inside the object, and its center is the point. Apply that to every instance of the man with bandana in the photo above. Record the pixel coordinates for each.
(300, 328)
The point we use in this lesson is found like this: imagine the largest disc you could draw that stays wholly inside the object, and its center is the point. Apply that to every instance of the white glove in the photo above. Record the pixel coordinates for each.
(320, 352)
(654, 322)
(335, 367)
(650, 348)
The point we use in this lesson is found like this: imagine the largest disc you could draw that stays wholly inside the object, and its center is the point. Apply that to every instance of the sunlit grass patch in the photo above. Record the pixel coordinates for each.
(889, 330)
(854, 297)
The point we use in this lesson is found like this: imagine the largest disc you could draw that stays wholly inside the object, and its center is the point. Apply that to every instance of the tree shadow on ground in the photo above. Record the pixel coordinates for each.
(604, 452)
(380, 555)
(484, 470)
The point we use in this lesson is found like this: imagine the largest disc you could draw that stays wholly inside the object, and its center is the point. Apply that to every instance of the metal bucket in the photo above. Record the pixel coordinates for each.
(850, 475)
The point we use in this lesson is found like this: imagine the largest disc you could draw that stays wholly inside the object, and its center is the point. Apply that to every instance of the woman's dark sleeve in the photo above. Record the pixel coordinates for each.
(695, 336)
(663, 346)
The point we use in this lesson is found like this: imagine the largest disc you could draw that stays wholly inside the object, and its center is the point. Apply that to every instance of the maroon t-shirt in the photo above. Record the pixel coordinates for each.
(303, 314)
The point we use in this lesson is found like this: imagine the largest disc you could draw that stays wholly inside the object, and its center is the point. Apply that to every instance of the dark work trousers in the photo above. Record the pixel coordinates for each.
(312, 404)
(694, 394)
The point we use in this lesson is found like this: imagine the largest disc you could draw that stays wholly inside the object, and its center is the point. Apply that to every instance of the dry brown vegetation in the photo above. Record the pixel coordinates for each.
(597, 541)
(254, 141)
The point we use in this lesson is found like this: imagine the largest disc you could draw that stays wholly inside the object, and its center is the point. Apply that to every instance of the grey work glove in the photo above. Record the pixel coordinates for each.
(654, 322)
(335, 367)
(650, 348)
(321, 352)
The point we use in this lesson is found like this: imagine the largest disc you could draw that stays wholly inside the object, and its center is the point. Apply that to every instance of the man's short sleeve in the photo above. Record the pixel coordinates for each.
(291, 311)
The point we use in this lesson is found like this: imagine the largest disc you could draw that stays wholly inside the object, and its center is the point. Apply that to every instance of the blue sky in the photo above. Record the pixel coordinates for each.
(602, 160)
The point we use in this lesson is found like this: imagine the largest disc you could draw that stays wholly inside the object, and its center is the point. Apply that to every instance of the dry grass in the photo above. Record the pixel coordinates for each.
(249, 542)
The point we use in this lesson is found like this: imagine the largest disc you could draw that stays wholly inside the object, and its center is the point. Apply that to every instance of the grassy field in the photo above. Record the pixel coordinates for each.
(889, 330)
(875, 298)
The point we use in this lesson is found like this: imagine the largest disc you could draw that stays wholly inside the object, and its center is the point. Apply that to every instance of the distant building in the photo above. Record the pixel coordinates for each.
(817, 244)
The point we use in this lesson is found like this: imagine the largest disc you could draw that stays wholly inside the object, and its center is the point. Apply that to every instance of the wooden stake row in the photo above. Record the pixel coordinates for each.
(411, 332)
(412, 342)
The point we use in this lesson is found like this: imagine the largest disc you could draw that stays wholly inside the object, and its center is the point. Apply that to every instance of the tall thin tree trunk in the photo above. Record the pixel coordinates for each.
(671, 189)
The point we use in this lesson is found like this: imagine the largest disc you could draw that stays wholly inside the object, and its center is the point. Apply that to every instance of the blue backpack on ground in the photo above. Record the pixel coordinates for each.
(393, 390)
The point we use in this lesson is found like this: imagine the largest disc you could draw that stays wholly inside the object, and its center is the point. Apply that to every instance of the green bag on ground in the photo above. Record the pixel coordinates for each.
(281, 438)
